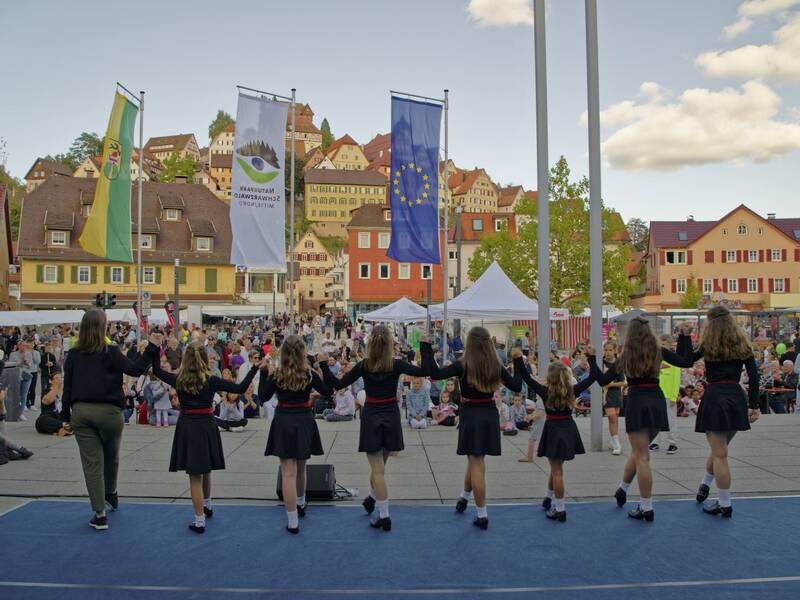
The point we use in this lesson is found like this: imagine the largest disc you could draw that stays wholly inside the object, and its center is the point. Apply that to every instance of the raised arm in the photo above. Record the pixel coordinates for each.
(218, 384)
(685, 355)
(165, 376)
(266, 386)
(431, 368)
(594, 372)
(318, 383)
(405, 368)
(753, 380)
(610, 375)
(514, 382)
(66, 395)
(347, 379)
(541, 390)
(133, 368)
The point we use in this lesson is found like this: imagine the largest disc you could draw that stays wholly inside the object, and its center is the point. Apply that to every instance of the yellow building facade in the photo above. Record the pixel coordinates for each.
(331, 194)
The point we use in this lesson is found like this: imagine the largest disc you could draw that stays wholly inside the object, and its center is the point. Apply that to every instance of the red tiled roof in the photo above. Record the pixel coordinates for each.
(508, 195)
(621, 232)
(380, 144)
(468, 232)
(221, 161)
(346, 140)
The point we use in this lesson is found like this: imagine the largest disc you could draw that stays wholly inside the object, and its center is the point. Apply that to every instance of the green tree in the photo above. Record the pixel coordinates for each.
(639, 233)
(220, 122)
(691, 298)
(327, 136)
(16, 190)
(85, 146)
(299, 176)
(67, 160)
(175, 166)
(569, 248)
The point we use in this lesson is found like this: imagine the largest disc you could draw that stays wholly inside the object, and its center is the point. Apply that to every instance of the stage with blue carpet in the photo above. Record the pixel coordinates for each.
(49, 551)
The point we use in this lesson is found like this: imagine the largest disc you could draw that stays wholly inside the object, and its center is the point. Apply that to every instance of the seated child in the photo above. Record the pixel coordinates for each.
(231, 413)
(445, 413)
(517, 413)
(506, 424)
(344, 406)
(417, 402)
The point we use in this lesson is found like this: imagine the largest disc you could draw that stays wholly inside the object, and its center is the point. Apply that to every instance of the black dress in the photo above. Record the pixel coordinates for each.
(646, 407)
(478, 419)
(613, 394)
(381, 428)
(293, 432)
(561, 439)
(48, 422)
(197, 445)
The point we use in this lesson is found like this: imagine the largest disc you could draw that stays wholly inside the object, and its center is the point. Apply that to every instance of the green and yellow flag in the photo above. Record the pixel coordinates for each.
(107, 231)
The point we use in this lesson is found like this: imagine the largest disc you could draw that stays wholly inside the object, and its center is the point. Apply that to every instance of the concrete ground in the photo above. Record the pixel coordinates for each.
(765, 460)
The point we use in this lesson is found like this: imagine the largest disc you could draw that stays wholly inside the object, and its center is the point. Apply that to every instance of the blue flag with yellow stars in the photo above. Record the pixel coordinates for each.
(414, 181)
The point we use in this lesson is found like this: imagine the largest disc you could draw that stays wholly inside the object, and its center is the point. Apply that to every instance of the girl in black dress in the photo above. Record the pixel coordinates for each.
(49, 421)
(197, 446)
(381, 429)
(293, 435)
(646, 408)
(480, 374)
(560, 438)
(724, 409)
(613, 399)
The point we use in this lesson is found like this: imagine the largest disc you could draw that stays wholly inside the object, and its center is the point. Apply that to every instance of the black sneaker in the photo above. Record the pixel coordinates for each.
(642, 515)
(481, 523)
(368, 504)
(461, 505)
(384, 523)
(99, 523)
(672, 449)
(555, 515)
(113, 501)
(654, 447)
(24, 453)
(715, 509)
(621, 496)
(208, 512)
(13, 454)
(293, 530)
(197, 528)
(702, 492)
(547, 503)
(301, 511)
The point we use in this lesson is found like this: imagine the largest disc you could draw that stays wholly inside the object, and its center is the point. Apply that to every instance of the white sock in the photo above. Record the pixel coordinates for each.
(550, 494)
(708, 479)
(207, 502)
(560, 504)
(624, 486)
(646, 504)
(301, 501)
(724, 497)
(291, 516)
(200, 520)
(482, 512)
(615, 440)
(383, 508)
(465, 495)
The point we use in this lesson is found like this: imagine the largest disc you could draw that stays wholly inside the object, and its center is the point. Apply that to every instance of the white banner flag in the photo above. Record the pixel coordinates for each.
(258, 219)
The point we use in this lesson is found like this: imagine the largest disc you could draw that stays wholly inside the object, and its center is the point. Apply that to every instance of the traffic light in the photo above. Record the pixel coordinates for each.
(112, 301)
(98, 300)
(105, 300)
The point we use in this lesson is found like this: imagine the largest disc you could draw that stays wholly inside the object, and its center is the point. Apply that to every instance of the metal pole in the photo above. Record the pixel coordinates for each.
(446, 232)
(595, 214)
(543, 182)
(291, 226)
(459, 211)
(176, 317)
(274, 285)
(139, 220)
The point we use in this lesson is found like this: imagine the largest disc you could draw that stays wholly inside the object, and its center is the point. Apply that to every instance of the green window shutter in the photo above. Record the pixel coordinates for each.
(73, 274)
(158, 275)
(39, 273)
(93, 275)
(182, 275)
(126, 275)
(60, 274)
(211, 280)
(106, 274)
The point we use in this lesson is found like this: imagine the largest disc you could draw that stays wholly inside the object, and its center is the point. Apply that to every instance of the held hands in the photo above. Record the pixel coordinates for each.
(753, 415)
(264, 364)
(516, 352)
(322, 358)
(686, 328)
(590, 350)
(425, 337)
(155, 339)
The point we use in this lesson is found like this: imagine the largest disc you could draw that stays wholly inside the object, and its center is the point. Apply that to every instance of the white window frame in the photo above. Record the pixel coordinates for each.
(388, 270)
(752, 286)
(752, 256)
(478, 222)
(364, 239)
(404, 271)
(146, 242)
(777, 255)
(62, 235)
(498, 224)
(741, 229)
(172, 214)
(778, 283)
(148, 275)
(384, 237)
(117, 275)
(360, 270)
(84, 271)
(730, 256)
(678, 257)
(733, 286)
(53, 271)
(680, 286)
(205, 240)
(708, 286)
(422, 268)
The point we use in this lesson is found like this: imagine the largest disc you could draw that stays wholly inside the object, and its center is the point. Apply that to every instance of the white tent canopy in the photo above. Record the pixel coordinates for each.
(400, 311)
(28, 318)
(157, 317)
(494, 297)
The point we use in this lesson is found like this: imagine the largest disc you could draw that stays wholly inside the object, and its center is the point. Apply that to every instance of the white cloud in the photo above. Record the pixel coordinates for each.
(701, 126)
(501, 13)
(778, 60)
(756, 8)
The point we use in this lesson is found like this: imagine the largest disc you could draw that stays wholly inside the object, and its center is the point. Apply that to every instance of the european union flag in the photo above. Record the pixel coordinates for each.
(414, 181)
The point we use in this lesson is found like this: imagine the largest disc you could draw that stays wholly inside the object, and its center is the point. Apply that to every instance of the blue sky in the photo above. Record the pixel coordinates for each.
(721, 149)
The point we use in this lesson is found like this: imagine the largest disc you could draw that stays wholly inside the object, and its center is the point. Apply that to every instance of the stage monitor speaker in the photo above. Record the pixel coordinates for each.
(320, 482)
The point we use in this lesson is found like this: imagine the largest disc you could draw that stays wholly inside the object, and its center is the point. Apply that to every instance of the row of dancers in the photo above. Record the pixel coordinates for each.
(294, 436)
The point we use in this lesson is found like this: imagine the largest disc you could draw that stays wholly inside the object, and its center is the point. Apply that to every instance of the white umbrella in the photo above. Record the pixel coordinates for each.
(399, 311)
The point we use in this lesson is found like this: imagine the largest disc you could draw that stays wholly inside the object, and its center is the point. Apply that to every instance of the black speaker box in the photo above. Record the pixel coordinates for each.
(320, 482)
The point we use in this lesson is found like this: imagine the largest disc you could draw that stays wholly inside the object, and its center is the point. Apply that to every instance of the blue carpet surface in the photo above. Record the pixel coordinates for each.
(149, 552)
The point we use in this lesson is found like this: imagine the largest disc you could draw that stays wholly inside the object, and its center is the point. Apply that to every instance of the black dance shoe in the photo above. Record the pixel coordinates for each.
(715, 509)
(113, 501)
(208, 512)
(368, 504)
(621, 496)
(99, 523)
(461, 505)
(556, 515)
(547, 503)
(197, 528)
(384, 523)
(702, 493)
(482, 522)
(301, 511)
(642, 515)
(293, 530)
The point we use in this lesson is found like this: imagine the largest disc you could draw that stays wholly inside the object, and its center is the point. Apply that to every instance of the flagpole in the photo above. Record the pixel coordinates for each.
(446, 258)
(139, 221)
(291, 224)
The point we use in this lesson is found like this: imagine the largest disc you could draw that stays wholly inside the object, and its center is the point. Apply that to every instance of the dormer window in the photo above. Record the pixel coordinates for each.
(172, 214)
(146, 242)
(58, 238)
(203, 244)
(86, 210)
